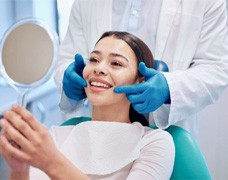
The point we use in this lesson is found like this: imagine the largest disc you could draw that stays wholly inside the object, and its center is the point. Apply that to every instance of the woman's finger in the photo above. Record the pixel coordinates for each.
(9, 151)
(19, 124)
(27, 117)
(14, 136)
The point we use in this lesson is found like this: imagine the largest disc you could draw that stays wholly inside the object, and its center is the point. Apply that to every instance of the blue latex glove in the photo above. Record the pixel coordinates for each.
(73, 82)
(149, 95)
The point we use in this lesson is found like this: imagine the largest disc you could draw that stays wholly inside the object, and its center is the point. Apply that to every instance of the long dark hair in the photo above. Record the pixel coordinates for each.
(143, 54)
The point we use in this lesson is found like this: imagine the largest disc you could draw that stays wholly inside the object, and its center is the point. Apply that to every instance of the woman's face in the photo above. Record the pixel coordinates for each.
(112, 63)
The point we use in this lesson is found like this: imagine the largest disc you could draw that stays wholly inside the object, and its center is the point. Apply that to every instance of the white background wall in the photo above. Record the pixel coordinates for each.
(213, 136)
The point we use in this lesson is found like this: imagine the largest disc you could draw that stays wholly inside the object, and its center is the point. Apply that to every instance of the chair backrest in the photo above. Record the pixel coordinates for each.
(189, 160)
(160, 65)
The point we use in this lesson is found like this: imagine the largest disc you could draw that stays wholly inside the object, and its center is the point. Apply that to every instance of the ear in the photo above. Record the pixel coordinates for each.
(140, 79)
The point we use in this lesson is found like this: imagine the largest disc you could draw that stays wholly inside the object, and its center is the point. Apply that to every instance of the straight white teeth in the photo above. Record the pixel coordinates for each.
(99, 84)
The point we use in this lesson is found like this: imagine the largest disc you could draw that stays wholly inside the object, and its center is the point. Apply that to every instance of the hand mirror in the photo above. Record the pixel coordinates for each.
(28, 55)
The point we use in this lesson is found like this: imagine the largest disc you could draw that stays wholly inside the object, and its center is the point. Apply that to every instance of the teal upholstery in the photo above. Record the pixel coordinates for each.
(75, 121)
(189, 160)
(160, 65)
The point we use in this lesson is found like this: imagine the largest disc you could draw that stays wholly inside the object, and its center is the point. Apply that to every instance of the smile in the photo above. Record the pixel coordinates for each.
(99, 84)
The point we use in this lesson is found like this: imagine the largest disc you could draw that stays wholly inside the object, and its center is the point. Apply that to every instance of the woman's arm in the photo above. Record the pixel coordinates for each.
(34, 146)
(64, 169)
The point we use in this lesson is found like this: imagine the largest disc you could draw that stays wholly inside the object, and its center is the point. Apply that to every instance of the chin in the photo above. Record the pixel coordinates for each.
(97, 101)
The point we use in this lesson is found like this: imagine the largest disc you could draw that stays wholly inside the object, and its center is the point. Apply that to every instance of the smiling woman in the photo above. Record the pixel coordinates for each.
(114, 62)
(112, 145)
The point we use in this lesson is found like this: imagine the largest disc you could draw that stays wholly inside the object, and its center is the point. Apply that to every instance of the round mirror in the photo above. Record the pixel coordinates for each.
(28, 55)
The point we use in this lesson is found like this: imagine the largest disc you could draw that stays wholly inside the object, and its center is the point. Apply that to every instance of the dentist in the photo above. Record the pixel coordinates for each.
(190, 36)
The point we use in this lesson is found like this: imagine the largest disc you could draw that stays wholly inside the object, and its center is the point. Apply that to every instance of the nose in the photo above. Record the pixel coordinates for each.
(100, 69)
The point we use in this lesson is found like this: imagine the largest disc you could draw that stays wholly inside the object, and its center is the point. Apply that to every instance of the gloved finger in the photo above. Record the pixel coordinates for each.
(131, 89)
(72, 78)
(71, 96)
(74, 94)
(77, 81)
(140, 108)
(79, 64)
(135, 98)
(150, 103)
(72, 87)
(145, 71)
(74, 84)
(144, 105)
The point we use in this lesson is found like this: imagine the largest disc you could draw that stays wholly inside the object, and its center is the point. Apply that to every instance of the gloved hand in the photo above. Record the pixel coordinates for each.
(73, 82)
(149, 95)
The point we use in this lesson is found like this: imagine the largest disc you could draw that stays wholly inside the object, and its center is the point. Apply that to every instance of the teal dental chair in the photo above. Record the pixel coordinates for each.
(189, 160)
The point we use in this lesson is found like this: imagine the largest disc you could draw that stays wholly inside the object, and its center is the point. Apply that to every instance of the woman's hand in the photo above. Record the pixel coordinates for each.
(6, 147)
(25, 140)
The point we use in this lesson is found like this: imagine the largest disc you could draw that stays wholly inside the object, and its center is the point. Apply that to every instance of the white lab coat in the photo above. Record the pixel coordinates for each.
(191, 38)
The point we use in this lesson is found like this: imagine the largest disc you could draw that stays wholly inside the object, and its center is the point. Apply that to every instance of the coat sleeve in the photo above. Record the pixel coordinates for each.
(201, 83)
(85, 27)
(74, 42)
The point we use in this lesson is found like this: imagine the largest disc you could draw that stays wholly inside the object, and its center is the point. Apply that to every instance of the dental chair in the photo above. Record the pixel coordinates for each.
(189, 160)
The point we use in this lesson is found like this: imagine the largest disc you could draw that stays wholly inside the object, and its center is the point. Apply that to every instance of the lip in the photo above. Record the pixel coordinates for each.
(104, 85)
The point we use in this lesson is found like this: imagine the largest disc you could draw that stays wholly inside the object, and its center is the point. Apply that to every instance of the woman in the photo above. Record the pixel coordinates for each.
(112, 145)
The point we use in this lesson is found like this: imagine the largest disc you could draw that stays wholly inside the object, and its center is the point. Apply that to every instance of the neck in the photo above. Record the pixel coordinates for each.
(113, 113)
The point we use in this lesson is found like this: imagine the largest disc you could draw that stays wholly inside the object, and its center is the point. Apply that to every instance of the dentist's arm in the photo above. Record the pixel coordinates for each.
(149, 95)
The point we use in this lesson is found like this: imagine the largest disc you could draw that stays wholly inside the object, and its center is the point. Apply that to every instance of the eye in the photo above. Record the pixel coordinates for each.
(117, 63)
(93, 60)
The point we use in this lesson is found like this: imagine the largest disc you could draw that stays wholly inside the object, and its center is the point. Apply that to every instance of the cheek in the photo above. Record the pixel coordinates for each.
(86, 72)
(85, 75)
(125, 78)
(130, 76)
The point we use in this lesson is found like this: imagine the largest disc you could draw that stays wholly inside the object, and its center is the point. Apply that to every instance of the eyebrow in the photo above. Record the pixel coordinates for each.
(111, 54)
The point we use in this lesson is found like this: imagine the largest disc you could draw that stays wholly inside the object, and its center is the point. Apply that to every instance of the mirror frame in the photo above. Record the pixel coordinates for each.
(55, 42)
